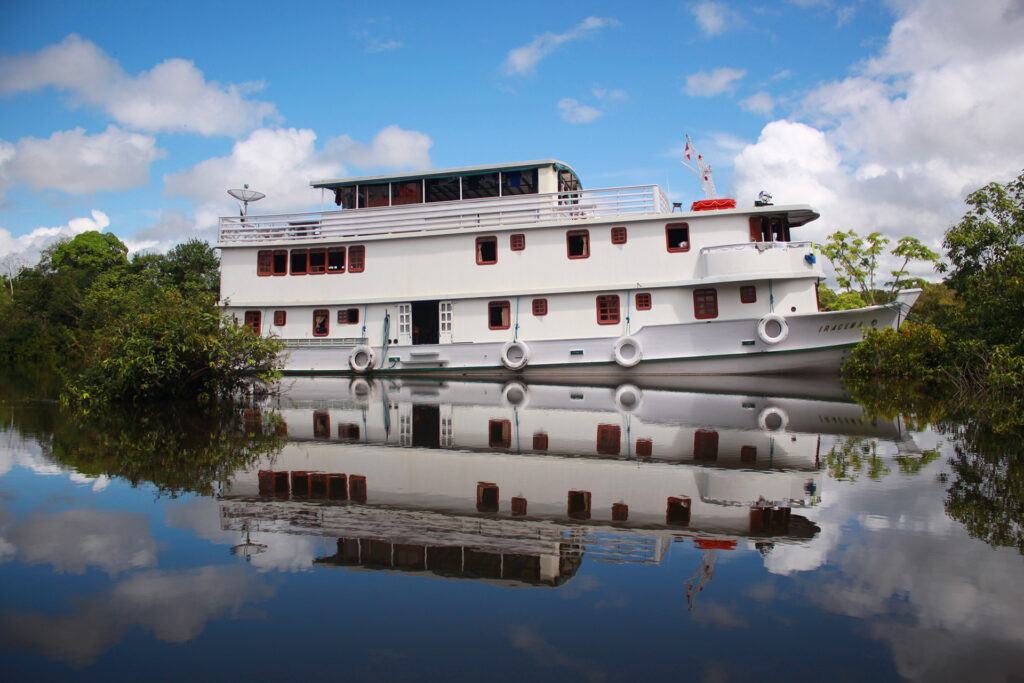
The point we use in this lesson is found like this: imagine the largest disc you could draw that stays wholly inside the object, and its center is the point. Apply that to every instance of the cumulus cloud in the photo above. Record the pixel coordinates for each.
(392, 147)
(25, 248)
(74, 162)
(574, 112)
(715, 82)
(523, 60)
(759, 103)
(174, 96)
(713, 18)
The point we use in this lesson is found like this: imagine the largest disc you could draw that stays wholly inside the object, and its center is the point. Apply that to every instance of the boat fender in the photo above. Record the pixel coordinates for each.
(628, 397)
(627, 351)
(361, 359)
(515, 355)
(359, 389)
(515, 395)
(773, 419)
(766, 327)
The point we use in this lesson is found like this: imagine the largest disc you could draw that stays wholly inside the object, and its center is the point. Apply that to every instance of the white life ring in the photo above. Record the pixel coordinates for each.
(780, 322)
(515, 355)
(778, 417)
(627, 351)
(359, 389)
(515, 395)
(361, 359)
(628, 397)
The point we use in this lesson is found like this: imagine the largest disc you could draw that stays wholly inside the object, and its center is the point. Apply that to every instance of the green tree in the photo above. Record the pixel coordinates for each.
(856, 258)
(92, 251)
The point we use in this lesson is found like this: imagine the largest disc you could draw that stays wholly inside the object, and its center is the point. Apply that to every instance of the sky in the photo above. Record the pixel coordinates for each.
(135, 118)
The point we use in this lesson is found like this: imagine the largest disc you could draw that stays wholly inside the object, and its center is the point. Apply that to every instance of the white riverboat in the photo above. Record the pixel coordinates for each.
(516, 268)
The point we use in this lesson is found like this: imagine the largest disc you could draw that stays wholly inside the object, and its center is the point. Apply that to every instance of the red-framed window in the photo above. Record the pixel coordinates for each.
(253, 321)
(265, 263)
(486, 251)
(609, 439)
(517, 242)
(705, 303)
(336, 260)
(620, 512)
(280, 262)
(540, 441)
(677, 237)
(577, 244)
(677, 511)
(748, 454)
(486, 497)
(705, 444)
(618, 235)
(356, 259)
(348, 316)
(280, 318)
(643, 301)
(540, 307)
(357, 488)
(321, 322)
(579, 505)
(499, 434)
(299, 261)
(748, 294)
(498, 315)
(608, 309)
(321, 424)
(644, 448)
(518, 506)
(317, 261)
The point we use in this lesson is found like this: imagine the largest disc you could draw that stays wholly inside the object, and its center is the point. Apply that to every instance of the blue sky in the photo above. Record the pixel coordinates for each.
(135, 118)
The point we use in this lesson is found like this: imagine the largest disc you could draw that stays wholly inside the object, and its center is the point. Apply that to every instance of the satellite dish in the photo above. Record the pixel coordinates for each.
(245, 195)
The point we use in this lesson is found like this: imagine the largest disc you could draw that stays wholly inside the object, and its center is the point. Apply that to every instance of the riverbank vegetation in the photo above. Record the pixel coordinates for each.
(108, 329)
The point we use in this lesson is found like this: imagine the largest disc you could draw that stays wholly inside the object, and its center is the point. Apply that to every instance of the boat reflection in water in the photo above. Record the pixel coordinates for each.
(514, 484)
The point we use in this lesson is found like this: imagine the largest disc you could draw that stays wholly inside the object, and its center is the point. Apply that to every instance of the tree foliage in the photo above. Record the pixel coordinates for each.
(856, 259)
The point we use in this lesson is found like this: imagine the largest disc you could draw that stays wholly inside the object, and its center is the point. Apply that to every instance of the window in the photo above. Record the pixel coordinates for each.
(618, 235)
(518, 506)
(677, 237)
(348, 432)
(540, 306)
(357, 488)
(409, 192)
(356, 259)
(253, 321)
(517, 242)
(579, 505)
(443, 189)
(705, 445)
(748, 454)
(643, 301)
(498, 315)
(677, 511)
(577, 243)
(620, 512)
(321, 424)
(483, 185)
(321, 322)
(644, 448)
(705, 303)
(608, 309)
(540, 441)
(280, 317)
(499, 434)
(486, 497)
(265, 263)
(486, 250)
(748, 294)
(609, 439)
(336, 260)
(373, 195)
(299, 262)
(348, 316)
(317, 261)
(280, 266)
(519, 182)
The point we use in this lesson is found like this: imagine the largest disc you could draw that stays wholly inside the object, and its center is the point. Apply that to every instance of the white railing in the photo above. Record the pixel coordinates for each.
(759, 246)
(495, 212)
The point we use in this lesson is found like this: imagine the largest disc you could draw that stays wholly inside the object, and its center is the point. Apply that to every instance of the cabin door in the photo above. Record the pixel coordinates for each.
(425, 322)
(444, 315)
(405, 324)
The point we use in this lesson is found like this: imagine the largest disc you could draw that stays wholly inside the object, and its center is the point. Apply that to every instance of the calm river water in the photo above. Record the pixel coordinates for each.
(718, 529)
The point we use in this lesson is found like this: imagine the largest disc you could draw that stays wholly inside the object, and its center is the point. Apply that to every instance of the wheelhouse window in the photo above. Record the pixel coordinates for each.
(540, 307)
(769, 229)
(264, 263)
(348, 316)
(577, 243)
(280, 264)
(317, 261)
(374, 195)
(409, 192)
(336, 260)
(609, 439)
(618, 235)
(479, 186)
(321, 322)
(280, 318)
(486, 250)
(253, 321)
(705, 303)
(443, 189)
(643, 301)
(677, 236)
(608, 309)
(356, 259)
(748, 294)
(517, 242)
(299, 262)
(519, 182)
(498, 315)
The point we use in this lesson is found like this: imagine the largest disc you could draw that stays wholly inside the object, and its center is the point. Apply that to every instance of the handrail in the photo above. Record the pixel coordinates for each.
(494, 212)
(760, 246)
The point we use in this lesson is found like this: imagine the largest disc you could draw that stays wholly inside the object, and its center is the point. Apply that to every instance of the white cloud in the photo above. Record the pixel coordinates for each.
(392, 147)
(574, 112)
(173, 96)
(608, 94)
(716, 82)
(74, 162)
(522, 60)
(759, 103)
(26, 247)
(713, 18)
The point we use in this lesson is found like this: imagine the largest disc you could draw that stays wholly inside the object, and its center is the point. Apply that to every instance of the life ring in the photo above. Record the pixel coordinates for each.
(515, 395)
(627, 351)
(515, 355)
(773, 419)
(765, 335)
(361, 359)
(359, 389)
(628, 397)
